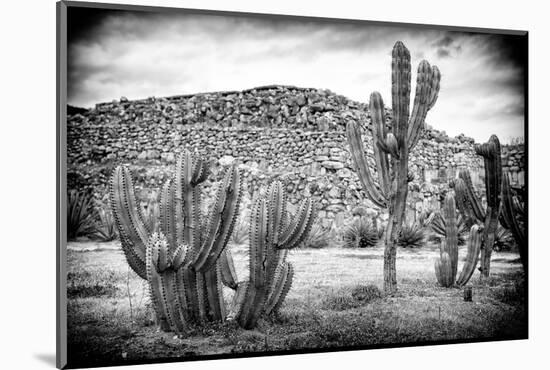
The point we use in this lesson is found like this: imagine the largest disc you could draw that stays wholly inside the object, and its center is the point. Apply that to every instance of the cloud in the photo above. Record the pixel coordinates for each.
(144, 54)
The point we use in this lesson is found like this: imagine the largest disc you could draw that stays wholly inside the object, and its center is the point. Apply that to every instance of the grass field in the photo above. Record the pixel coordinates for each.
(110, 320)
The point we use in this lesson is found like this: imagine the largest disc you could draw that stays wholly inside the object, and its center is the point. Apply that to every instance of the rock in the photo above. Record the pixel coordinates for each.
(333, 165)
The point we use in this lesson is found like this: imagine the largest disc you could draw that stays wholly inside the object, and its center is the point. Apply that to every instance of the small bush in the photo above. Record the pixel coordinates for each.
(504, 240)
(80, 215)
(151, 213)
(240, 232)
(360, 234)
(412, 236)
(106, 228)
(366, 293)
(85, 284)
(340, 302)
(317, 238)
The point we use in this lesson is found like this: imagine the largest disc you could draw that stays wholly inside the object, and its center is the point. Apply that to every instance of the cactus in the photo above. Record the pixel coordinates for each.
(446, 266)
(511, 209)
(182, 262)
(272, 235)
(470, 205)
(391, 149)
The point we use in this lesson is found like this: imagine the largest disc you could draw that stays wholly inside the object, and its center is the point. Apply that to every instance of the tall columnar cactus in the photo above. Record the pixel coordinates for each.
(182, 262)
(446, 266)
(512, 210)
(470, 205)
(391, 149)
(272, 235)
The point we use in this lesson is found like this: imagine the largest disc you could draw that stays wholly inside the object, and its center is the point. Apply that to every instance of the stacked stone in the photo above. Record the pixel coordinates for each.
(292, 134)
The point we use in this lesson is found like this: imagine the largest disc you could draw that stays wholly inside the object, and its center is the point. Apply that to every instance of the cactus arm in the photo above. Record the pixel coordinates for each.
(214, 293)
(162, 283)
(227, 267)
(299, 227)
(434, 91)
(237, 305)
(451, 234)
(257, 243)
(424, 83)
(509, 219)
(401, 90)
(443, 270)
(473, 199)
(276, 209)
(187, 205)
(281, 288)
(472, 257)
(490, 152)
(168, 212)
(374, 193)
(381, 148)
(153, 284)
(463, 203)
(221, 221)
(133, 231)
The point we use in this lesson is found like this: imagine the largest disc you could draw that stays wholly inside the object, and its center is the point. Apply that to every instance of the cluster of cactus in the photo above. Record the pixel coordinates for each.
(272, 235)
(469, 204)
(446, 266)
(186, 261)
(391, 149)
(512, 211)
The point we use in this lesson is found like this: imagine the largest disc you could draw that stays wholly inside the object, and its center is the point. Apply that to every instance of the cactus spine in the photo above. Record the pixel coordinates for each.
(271, 237)
(446, 266)
(391, 149)
(181, 263)
(508, 218)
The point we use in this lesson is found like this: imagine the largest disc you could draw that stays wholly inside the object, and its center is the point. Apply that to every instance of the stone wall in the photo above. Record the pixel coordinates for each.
(274, 132)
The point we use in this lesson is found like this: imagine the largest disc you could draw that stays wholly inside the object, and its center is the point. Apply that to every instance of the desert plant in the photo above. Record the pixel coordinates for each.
(513, 213)
(240, 232)
(317, 238)
(80, 214)
(504, 239)
(469, 203)
(413, 235)
(272, 235)
(391, 149)
(446, 265)
(182, 262)
(360, 234)
(151, 212)
(438, 230)
(186, 262)
(106, 229)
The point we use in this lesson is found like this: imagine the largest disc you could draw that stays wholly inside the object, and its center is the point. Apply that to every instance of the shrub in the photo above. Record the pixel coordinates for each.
(360, 234)
(504, 239)
(240, 232)
(317, 238)
(412, 236)
(366, 293)
(80, 215)
(339, 302)
(106, 228)
(151, 213)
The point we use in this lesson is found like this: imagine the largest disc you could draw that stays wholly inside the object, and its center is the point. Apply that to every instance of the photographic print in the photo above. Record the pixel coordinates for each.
(238, 184)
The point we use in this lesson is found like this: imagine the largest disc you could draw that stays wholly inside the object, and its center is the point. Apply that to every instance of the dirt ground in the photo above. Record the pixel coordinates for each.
(111, 322)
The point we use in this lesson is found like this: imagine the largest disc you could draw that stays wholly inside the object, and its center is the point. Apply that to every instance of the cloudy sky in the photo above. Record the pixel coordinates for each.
(138, 54)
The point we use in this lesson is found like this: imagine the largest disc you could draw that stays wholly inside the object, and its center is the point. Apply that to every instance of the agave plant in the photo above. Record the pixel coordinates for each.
(503, 239)
(106, 228)
(80, 214)
(412, 235)
(361, 233)
(317, 238)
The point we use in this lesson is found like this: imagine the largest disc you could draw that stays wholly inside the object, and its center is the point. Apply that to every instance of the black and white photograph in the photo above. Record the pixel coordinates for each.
(242, 184)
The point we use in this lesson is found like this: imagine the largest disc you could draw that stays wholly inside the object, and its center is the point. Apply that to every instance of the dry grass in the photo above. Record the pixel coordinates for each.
(321, 310)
